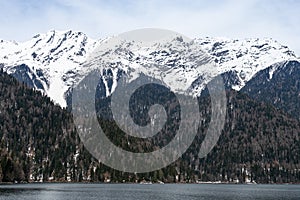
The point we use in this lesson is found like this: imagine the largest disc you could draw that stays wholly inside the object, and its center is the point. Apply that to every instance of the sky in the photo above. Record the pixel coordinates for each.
(278, 19)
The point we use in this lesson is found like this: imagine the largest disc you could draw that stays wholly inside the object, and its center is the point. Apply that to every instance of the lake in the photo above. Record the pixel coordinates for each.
(53, 191)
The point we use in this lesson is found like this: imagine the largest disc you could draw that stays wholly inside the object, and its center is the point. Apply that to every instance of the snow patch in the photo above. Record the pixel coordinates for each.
(174, 61)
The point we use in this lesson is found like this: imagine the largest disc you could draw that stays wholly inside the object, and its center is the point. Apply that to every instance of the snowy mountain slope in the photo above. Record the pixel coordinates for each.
(174, 61)
(244, 58)
(52, 58)
(52, 61)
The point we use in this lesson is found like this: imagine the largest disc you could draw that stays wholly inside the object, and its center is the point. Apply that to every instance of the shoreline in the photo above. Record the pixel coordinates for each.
(132, 183)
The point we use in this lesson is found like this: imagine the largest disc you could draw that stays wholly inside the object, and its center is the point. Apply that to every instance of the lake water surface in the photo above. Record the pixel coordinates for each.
(148, 192)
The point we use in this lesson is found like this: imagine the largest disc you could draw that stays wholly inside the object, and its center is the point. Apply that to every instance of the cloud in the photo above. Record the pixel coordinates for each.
(230, 18)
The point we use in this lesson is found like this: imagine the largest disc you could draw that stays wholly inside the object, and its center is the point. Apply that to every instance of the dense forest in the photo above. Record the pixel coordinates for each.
(282, 90)
(39, 143)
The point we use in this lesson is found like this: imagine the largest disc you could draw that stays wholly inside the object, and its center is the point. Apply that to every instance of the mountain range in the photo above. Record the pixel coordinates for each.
(54, 62)
(260, 141)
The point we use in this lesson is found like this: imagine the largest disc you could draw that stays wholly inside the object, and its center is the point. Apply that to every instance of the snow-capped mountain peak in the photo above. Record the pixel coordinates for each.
(245, 57)
(175, 61)
(49, 58)
(55, 61)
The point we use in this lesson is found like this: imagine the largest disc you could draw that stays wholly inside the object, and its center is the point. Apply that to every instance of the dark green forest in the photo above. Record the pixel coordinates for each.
(39, 143)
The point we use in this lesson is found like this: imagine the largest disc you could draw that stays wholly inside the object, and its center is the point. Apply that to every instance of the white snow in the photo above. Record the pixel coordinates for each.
(55, 53)
(60, 54)
(247, 56)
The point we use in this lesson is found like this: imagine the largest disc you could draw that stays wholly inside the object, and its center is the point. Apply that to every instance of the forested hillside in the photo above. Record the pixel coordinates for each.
(39, 143)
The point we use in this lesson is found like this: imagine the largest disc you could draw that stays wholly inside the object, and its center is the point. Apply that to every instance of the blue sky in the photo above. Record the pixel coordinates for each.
(279, 19)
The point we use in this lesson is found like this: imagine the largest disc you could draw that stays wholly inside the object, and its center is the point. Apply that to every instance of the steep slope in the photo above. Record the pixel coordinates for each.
(38, 139)
(240, 60)
(39, 143)
(259, 142)
(49, 62)
(52, 61)
(279, 85)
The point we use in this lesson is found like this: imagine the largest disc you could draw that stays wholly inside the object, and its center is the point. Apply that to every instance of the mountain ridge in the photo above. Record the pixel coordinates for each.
(52, 62)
